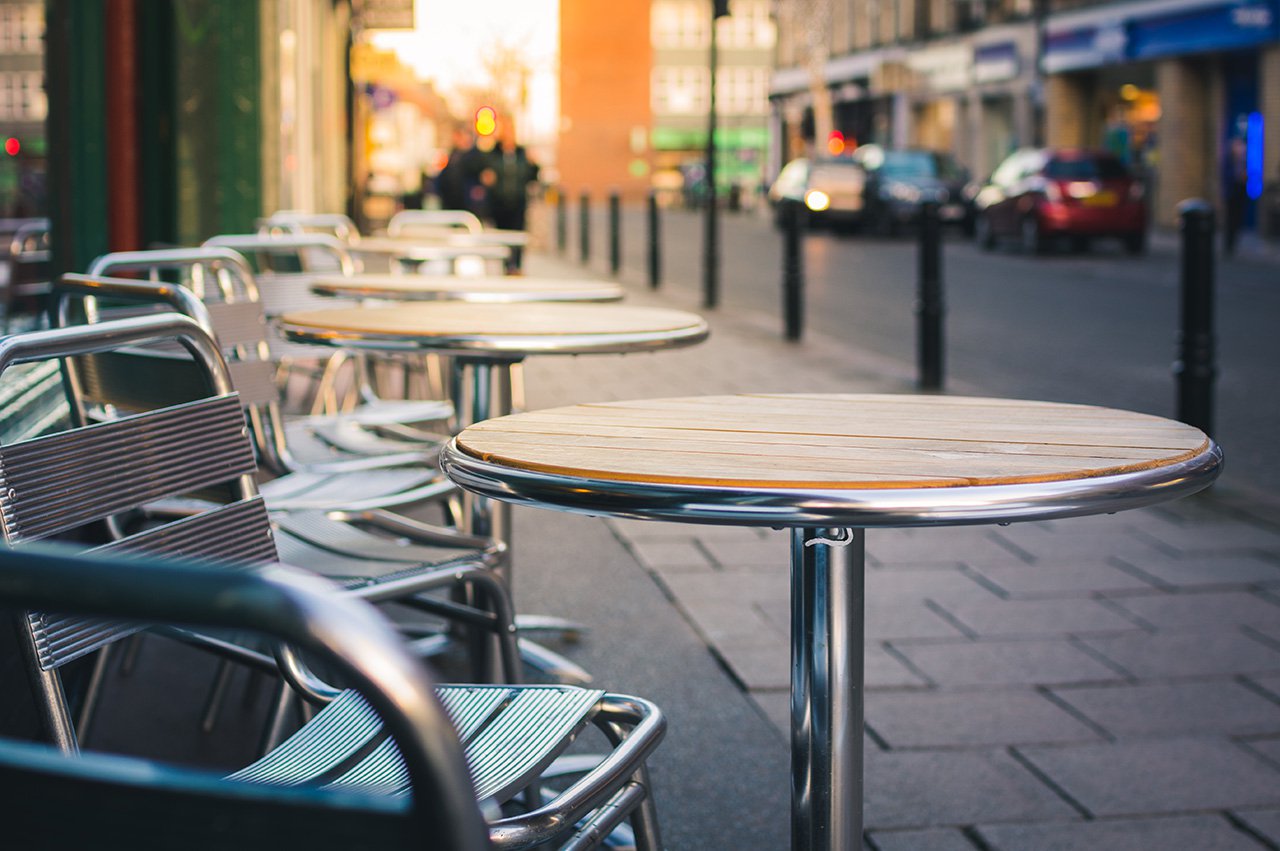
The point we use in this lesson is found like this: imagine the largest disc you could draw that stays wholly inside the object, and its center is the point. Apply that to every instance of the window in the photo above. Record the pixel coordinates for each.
(674, 23)
(679, 90)
(22, 96)
(742, 91)
(21, 28)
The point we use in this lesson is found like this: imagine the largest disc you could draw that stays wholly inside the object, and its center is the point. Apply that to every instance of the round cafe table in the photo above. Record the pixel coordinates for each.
(504, 289)
(486, 341)
(828, 467)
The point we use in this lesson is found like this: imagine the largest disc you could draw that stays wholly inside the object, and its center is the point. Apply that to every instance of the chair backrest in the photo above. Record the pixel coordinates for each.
(296, 221)
(77, 482)
(283, 285)
(407, 222)
(98, 799)
(133, 379)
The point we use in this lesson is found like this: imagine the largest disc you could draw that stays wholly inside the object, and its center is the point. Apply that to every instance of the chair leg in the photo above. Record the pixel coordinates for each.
(644, 821)
(216, 694)
(93, 692)
(277, 722)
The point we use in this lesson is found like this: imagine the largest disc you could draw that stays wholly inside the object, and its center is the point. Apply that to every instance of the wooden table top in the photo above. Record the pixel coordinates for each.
(538, 327)
(486, 288)
(824, 442)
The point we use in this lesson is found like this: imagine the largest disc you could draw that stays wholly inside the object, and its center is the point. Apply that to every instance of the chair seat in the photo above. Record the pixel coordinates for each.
(334, 490)
(510, 735)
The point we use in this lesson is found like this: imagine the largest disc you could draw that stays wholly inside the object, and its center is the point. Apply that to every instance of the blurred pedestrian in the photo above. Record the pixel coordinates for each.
(507, 176)
(1235, 193)
(458, 183)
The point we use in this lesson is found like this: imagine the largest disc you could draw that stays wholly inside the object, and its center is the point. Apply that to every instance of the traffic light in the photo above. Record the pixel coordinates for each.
(12, 146)
(486, 121)
(719, 9)
(835, 143)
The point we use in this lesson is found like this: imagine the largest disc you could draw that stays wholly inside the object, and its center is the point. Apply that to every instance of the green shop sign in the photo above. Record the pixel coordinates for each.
(670, 139)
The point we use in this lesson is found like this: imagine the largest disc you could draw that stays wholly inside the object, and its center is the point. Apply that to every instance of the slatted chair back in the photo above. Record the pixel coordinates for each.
(70, 484)
(96, 799)
(236, 322)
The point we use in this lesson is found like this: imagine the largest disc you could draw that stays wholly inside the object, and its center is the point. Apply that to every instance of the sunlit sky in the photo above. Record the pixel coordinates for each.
(450, 35)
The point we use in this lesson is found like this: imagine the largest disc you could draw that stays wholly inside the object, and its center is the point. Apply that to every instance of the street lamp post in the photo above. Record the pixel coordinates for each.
(711, 240)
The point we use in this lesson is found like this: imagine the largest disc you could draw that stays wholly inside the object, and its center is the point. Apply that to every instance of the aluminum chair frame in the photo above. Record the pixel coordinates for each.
(350, 483)
(125, 465)
(61, 483)
(412, 788)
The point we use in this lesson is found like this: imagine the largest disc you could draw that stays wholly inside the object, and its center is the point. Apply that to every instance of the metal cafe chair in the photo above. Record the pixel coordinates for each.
(288, 264)
(111, 474)
(296, 516)
(408, 222)
(221, 280)
(392, 762)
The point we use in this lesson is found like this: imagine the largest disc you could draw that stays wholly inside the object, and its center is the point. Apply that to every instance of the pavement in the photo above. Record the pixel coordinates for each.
(1103, 683)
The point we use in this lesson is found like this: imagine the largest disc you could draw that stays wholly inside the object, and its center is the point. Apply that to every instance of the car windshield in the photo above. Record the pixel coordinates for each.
(1088, 168)
(909, 164)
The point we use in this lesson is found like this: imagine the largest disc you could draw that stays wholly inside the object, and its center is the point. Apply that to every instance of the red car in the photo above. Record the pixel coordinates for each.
(1038, 194)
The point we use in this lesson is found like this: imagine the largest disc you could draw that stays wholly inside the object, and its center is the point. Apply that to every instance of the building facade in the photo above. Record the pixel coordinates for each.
(1187, 91)
(23, 108)
(635, 93)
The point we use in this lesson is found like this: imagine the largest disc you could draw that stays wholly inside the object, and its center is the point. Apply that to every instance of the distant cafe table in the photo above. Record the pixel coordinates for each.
(486, 340)
(828, 467)
(502, 289)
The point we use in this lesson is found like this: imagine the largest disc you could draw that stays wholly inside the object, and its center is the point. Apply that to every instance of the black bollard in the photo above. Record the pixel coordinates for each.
(929, 306)
(562, 221)
(584, 227)
(655, 245)
(1195, 370)
(792, 271)
(615, 232)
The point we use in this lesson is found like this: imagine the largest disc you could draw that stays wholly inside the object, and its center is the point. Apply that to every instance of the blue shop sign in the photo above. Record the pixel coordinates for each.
(1222, 26)
(995, 62)
(1086, 47)
(1168, 28)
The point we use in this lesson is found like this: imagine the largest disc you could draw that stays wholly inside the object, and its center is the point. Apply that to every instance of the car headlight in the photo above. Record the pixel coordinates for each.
(817, 200)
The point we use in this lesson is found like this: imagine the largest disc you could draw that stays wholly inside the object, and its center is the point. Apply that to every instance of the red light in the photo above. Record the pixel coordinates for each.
(835, 143)
(12, 146)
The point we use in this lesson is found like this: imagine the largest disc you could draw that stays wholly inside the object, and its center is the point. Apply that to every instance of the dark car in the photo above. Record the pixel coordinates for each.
(900, 182)
(830, 191)
(1039, 194)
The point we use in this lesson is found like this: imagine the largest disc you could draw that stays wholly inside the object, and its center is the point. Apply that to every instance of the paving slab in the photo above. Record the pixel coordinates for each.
(1157, 709)
(949, 788)
(1265, 822)
(1201, 833)
(1217, 571)
(1187, 653)
(948, 719)
(1032, 662)
(1158, 776)
(1175, 611)
(921, 840)
(1038, 618)
(1084, 578)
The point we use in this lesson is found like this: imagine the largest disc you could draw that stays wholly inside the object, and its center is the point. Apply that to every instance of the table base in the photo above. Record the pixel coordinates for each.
(827, 613)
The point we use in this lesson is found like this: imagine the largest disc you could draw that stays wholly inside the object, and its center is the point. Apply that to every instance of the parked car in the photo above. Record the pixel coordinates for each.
(900, 182)
(830, 190)
(1039, 194)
